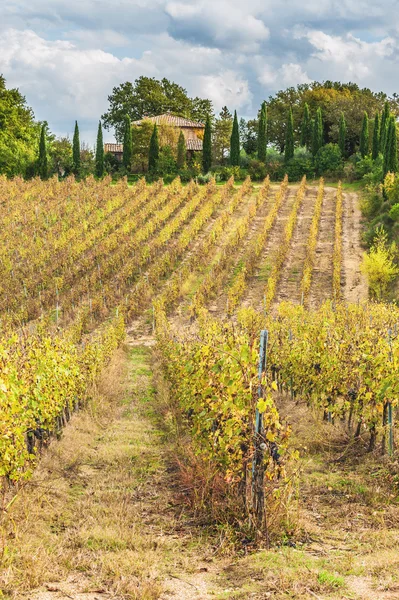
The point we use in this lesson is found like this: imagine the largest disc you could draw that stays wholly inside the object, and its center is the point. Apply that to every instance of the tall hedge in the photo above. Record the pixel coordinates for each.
(153, 154)
(76, 150)
(289, 138)
(262, 133)
(207, 146)
(100, 152)
(235, 143)
(364, 136)
(127, 144)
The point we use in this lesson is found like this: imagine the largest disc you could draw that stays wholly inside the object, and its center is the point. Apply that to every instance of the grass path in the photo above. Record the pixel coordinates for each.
(98, 520)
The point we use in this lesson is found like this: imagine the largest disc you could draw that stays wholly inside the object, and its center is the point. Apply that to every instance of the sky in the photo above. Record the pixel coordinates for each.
(65, 56)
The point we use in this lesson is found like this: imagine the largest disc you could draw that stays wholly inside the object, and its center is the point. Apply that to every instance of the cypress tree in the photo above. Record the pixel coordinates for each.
(384, 126)
(289, 138)
(181, 151)
(42, 162)
(76, 151)
(207, 146)
(262, 133)
(127, 144)
(317, 140)
(391, 148)
(376, 137)
(235, 143)
(364, 136)
(306, 128)
(100, 152)
(342, 134)
(394, 146)
(154, 150)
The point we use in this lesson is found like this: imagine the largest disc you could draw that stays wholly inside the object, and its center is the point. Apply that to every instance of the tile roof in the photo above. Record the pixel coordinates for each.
(194, 144)
(113, 147)
(172, 120)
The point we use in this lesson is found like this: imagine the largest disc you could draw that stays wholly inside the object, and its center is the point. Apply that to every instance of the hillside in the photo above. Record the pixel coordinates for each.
(123, 506)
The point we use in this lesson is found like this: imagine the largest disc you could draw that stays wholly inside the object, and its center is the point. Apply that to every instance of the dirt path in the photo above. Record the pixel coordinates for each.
(219, 306)
(321, 286)
(289, 288)
(256, 286)
(355, 287)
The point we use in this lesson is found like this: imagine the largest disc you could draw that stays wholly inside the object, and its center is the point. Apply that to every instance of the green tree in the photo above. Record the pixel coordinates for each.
(289, 138)
(100, 152)
(201, 108)
(333, 97)
(42, 163)
(221, 135)
(181, 151)
(249, 135)
(262, 133)
(76, 151)
(60, 152)
(342, 134)
(384, 127)
(317, 140)
(207, 146)
(149, 97)
(306, 128)
(18, 133)
(364, 136)
(376, 137)
(153, 154)
(391, 148)
(235, 143)
(127, 144)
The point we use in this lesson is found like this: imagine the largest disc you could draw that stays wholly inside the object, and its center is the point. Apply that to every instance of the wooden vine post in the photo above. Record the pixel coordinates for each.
(258, 466)
(389, 405)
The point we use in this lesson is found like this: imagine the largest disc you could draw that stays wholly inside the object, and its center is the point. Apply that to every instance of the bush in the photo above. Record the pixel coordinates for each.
(328, 161)
(371, 201)
(203, 179)
(257, 170)
(378, 265)
(299, 166)
(394, 212)
(224, 173)
(166, 163)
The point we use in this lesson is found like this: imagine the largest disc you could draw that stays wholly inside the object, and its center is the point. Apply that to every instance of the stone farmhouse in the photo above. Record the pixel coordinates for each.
(193, 132)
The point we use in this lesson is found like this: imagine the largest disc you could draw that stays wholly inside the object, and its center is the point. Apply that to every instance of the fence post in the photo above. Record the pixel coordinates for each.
(389, 405)
(258, 469)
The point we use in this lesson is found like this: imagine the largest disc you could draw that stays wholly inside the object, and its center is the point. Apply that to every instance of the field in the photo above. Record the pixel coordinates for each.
(142, 306)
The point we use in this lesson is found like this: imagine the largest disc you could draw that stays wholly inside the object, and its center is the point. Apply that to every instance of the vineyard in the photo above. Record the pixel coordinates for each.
(202, 270)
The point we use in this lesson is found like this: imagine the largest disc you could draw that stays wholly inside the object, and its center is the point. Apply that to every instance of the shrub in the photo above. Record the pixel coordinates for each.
(394, 212)
(257, 170)
(328, 160)
(371, 201)
(204, 178)
(299, 166)
(379, 266)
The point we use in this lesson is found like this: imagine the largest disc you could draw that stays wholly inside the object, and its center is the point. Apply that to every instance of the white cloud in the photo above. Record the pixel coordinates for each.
(225, 88)
(222, 24)
(349, 56)
(292, 75)
(66, 56)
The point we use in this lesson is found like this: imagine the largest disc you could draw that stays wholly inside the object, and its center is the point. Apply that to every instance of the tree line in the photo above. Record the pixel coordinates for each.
(328, 128)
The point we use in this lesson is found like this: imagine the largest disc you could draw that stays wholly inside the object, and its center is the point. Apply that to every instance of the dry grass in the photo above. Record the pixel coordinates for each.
(93, 513)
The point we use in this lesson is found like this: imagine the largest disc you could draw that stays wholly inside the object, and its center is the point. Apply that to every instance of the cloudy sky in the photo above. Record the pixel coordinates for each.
(66, 55)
